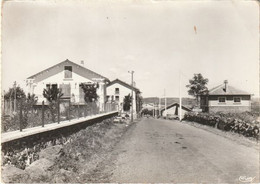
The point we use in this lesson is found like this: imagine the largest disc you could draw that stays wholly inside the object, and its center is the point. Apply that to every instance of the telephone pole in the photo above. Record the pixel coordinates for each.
(165, 103)
(132, 84)
(159, 106)
(14, 96)
(180, 107)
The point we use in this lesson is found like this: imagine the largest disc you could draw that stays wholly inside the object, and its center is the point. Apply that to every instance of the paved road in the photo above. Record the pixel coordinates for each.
(170, 151)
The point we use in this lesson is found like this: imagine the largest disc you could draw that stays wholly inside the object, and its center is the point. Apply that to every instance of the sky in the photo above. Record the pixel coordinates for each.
(158, 40)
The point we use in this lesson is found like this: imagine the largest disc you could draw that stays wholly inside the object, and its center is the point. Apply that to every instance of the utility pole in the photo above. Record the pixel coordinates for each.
(14, 96)
(165, 103)
(159, 106)
(153, 110)
(180, 108)
(132, 84)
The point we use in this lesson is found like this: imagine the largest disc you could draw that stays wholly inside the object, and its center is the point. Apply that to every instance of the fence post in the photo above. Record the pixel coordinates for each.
(78, 111)
(21, 116)
(69, 111)
(42, 113)
(84, 111)
(58, 111)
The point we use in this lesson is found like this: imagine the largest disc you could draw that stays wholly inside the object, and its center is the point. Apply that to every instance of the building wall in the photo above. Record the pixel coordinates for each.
(123, 91)
(37, 88)
(234, 109)
(229, 103)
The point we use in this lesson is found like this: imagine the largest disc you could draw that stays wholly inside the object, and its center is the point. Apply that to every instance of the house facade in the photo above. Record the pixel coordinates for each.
(116, 92)
(67, 76)
(225, 98)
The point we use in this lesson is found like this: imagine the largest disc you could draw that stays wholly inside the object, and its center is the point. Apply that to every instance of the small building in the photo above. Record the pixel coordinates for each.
(149, 106)
(67, 76)
(172, 110)
(225, 98)
(116, 92)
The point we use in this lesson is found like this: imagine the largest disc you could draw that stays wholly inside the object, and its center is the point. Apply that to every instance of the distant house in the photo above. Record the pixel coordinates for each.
(225, 98)
(148, 106)
(116, 92)
(67, 76)
(173, 110)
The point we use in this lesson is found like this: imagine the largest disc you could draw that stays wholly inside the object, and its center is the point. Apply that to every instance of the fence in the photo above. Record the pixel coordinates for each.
(46, 113)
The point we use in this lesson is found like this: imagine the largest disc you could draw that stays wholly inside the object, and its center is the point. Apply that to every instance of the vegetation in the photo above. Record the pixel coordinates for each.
(146, 112)
(90, 92)
(127, 102)
(12, 92)
(139, 102)
(243, 123)
(197, 86)
(25, 104)
(53, 95)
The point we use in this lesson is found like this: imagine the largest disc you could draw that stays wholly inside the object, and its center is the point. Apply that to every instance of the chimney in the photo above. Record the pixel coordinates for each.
(225, 82)
(82, 63)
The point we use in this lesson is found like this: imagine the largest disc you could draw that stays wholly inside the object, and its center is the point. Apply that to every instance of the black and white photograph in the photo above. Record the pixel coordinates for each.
(130, 91)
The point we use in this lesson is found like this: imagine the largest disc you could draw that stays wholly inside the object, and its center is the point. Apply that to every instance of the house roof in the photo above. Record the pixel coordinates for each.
(123, 84)
(176, 104)
(80, 70)
(220, 90)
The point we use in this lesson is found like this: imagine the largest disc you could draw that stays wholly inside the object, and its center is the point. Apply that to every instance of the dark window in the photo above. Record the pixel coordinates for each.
(116, 90)
(67, 71)
(48, 86)
(237, 99)
(108, 97)
(222, 99)
(117, 98)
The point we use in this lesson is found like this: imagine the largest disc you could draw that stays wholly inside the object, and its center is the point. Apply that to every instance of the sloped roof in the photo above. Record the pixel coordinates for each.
(176, 104)
(80, 70)
(123, 84)
(220, 90)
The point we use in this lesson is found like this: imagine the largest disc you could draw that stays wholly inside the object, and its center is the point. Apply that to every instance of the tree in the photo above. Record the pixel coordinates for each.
(52, 94)
(27, 106)
(12, 91)
(139, 102)
(127, 102)
(197, 86)
(90, 92)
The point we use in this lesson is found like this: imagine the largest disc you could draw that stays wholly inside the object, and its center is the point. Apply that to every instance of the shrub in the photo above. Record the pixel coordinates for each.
(243, 123)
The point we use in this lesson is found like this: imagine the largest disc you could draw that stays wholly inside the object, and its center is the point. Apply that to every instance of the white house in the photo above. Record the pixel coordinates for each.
(149, 106)
(117, 90)
(226, 98)
(67, 76)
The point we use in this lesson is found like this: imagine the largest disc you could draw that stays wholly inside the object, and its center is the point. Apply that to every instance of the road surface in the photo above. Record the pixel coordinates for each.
(169, 151)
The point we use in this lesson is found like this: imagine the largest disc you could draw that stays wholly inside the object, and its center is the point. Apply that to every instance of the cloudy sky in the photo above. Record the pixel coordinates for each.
(156, 39)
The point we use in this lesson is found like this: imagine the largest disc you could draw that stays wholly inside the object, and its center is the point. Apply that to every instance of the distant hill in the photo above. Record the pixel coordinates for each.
(189, 102)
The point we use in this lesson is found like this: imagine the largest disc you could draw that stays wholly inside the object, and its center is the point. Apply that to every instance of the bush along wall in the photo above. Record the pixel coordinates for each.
(242, 123)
